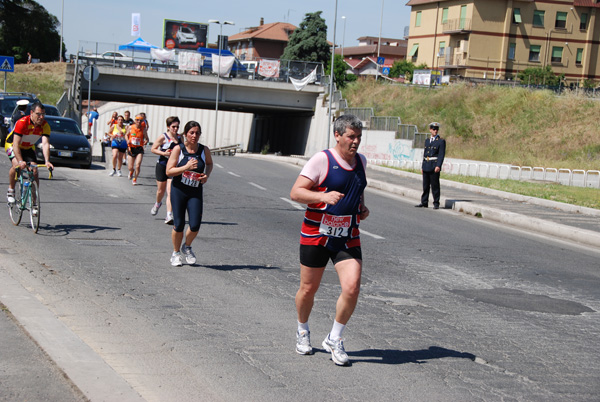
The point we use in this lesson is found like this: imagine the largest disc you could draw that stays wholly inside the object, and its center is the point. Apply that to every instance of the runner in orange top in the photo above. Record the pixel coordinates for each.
(137, 139)
(20, 144)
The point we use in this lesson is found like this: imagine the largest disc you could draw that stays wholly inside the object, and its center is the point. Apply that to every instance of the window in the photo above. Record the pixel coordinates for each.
(517, 16)
(444, 15)
(583, 22)
(414, 52)
(579, 56)
(442, 49)
(512, 47)
(557, 52)
(534, 52)
(418, 19)
(463, 17)
(538, 18)
(561, 19)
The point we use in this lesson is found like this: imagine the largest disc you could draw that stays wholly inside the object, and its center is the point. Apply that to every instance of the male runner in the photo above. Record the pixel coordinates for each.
(332, 184)
(20, 145)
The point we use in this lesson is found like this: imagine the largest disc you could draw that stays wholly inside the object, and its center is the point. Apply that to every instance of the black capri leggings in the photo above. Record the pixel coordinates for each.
(186, 200)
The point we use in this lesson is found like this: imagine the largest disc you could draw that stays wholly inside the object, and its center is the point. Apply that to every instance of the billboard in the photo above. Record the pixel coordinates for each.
(184, 35)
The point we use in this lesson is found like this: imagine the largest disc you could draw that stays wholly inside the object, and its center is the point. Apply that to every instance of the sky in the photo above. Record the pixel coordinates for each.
(109, 21)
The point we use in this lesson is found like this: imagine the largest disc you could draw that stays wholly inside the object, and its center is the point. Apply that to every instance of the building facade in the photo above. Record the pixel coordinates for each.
(497, 39)
(264, 41)
(362, 59)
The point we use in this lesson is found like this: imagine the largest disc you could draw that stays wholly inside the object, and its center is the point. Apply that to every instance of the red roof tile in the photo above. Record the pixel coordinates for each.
(278, 31)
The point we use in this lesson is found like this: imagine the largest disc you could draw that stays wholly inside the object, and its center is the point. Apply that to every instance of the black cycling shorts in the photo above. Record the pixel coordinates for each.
(135, 151)
(28, 155)
(319, 256)
(161, 173)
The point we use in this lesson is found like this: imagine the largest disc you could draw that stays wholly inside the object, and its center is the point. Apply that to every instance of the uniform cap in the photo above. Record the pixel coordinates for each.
(435, 124)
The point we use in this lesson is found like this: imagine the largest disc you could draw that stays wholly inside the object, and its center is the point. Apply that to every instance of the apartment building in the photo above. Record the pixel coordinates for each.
(496, 39)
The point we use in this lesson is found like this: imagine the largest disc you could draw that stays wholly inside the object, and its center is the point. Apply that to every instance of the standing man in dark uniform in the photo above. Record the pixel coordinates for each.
(433, 158)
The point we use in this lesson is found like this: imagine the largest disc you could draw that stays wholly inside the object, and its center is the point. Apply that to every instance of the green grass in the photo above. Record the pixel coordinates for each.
(584, 197)
(45, 80)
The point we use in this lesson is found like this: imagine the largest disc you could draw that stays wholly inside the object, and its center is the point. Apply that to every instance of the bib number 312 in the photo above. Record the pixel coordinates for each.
(335, 226)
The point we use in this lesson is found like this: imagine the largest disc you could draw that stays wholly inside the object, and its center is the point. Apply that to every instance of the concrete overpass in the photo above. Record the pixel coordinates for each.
(283, 117)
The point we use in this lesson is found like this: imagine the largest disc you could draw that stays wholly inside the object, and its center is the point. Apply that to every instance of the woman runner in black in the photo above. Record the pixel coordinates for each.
(190, 165)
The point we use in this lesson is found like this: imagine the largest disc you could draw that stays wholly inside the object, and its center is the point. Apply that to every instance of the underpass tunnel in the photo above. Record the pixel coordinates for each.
(286, 133)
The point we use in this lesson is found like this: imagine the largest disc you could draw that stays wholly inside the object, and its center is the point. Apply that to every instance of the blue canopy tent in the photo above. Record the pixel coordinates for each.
(139, 45)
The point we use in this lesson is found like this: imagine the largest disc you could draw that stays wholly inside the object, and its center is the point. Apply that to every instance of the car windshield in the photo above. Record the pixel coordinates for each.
(8, 106)
(64, 126)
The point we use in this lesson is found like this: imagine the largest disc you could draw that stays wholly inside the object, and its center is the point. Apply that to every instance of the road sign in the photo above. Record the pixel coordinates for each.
(385, 71)
(7, 64)
(91, 71)
(380, 60)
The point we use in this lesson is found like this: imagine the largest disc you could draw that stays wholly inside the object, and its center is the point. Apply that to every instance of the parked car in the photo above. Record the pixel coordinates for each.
(23, 108)
(110, 58)
(68, 144)
(185, 35)
(238, 69)
(8, 101)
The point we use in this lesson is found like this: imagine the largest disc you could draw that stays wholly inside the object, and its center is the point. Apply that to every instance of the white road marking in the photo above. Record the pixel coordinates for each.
(257, 186)
(219, 166)
(293, 203)
(233, 174)
(371, 234)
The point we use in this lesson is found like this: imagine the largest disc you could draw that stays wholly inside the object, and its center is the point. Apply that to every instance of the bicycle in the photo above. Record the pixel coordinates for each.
(27, 197)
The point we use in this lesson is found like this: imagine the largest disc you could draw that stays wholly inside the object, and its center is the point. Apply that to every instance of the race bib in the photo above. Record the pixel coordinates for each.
(335, 226)
(191, 179)
(136, 141)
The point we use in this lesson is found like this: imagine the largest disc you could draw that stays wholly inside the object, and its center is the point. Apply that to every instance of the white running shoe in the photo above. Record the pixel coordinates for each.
(10, 196)
(169, 218)
(111, 174)
(176, 259)
(303, 346)
(155, 208)
(190, 257)
(34, 212)
(336, 348)
(119, 173)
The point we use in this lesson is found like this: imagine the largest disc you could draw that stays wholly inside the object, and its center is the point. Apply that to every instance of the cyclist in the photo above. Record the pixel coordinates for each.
(20, 145)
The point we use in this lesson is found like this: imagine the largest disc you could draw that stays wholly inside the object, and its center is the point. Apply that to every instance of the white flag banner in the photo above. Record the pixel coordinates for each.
(135, 24)
(300, 84)
(163, 55)
(225, 65)
(268, 68)
(190, 61)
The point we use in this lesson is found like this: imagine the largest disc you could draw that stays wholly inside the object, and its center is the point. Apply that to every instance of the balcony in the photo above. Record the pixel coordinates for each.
(457, 26)
(455, 60)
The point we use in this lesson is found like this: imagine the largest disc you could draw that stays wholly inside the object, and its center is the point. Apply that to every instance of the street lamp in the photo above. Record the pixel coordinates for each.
(220, 42)
(344, 37)
(331, 75)
(379, 42)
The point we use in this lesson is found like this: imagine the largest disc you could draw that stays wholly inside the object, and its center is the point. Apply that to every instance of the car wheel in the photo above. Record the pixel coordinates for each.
(86, 166)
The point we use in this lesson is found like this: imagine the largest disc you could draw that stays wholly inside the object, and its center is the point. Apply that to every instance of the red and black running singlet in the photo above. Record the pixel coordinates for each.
(336, 226)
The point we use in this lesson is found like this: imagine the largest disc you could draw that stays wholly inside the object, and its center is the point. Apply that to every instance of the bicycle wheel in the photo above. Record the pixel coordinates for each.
(33, 204)
(14, 209)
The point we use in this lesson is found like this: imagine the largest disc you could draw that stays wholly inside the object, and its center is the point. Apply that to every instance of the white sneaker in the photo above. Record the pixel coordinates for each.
(119, 173)
(10, 196)
(303, 346)
(112, 173)
(34, 212)
(176, 259)
(336, 348)
(190, 257)
(169, 219)
(155, 208)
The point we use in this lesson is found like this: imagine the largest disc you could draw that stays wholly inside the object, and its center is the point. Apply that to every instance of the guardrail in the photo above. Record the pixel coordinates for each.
(567, 177)
(227, 150)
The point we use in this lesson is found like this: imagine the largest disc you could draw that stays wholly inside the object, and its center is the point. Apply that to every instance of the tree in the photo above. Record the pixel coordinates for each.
(405, 68)
(340, 76)
(26, 26)
(540, 76)
(309, 41)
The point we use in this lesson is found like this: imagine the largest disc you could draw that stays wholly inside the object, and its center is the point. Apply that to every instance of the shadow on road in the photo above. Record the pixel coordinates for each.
(389, 356)
(236, 267)
(65, 230)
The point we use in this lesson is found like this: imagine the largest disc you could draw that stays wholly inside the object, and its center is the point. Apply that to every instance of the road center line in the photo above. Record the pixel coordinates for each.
(219, 166)
(371, 234)
(257, 186)
(233, 174)
(293, 203)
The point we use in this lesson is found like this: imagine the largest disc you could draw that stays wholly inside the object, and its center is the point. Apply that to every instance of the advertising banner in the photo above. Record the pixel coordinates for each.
(184, 35)
(135, 24)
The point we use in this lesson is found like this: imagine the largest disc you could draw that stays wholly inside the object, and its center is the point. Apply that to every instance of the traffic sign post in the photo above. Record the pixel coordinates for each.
(91, 73)
(7, 64)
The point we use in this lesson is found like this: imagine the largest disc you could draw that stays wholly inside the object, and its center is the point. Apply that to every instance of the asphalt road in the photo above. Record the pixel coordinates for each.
(451, 309)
